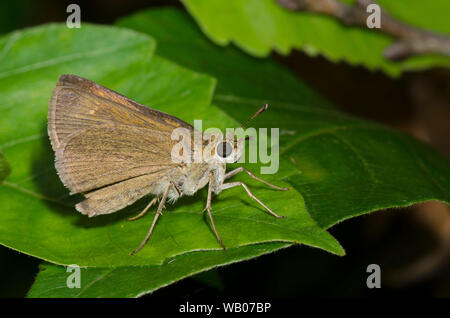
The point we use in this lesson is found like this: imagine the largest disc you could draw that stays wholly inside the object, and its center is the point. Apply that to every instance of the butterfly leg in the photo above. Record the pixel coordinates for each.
(158, 212)
(238, 183)
(145, 210)
(208, 208)
(240, 169)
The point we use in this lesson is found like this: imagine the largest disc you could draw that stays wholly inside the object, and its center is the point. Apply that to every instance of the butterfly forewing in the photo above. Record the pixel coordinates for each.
(78, 103)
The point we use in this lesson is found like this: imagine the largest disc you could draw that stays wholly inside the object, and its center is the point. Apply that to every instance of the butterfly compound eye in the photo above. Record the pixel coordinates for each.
(224, 149)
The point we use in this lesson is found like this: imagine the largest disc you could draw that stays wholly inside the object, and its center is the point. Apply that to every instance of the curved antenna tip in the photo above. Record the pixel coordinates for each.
(259, 111)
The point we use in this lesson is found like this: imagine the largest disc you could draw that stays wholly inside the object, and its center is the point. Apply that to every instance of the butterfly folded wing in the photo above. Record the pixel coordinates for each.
(108, 147)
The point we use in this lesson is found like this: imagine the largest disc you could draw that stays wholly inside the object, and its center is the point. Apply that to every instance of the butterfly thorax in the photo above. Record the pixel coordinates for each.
(189, 178)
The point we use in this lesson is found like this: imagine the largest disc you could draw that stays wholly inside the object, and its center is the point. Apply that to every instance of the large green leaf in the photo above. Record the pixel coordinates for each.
(344, 166)
(5, 169)
(340, 171)
(259, 26)
(38, 217)
(244, 83)
(137, 281)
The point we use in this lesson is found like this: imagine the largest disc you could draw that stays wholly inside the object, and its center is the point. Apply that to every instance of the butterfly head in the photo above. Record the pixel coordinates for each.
(230, 148)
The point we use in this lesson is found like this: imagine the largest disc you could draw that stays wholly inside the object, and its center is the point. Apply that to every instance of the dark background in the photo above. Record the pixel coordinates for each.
(412, 245)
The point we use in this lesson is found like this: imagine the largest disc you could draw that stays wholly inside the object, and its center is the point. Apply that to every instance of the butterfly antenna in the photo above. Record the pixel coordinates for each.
(259, 111)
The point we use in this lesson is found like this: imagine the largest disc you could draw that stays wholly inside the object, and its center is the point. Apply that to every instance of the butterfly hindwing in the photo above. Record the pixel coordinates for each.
(103, 155)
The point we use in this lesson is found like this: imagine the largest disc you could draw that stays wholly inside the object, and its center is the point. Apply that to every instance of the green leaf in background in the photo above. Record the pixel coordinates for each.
(138, 281)
(38, 217)
(5, 169)
(344, 166)
(259, 26)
